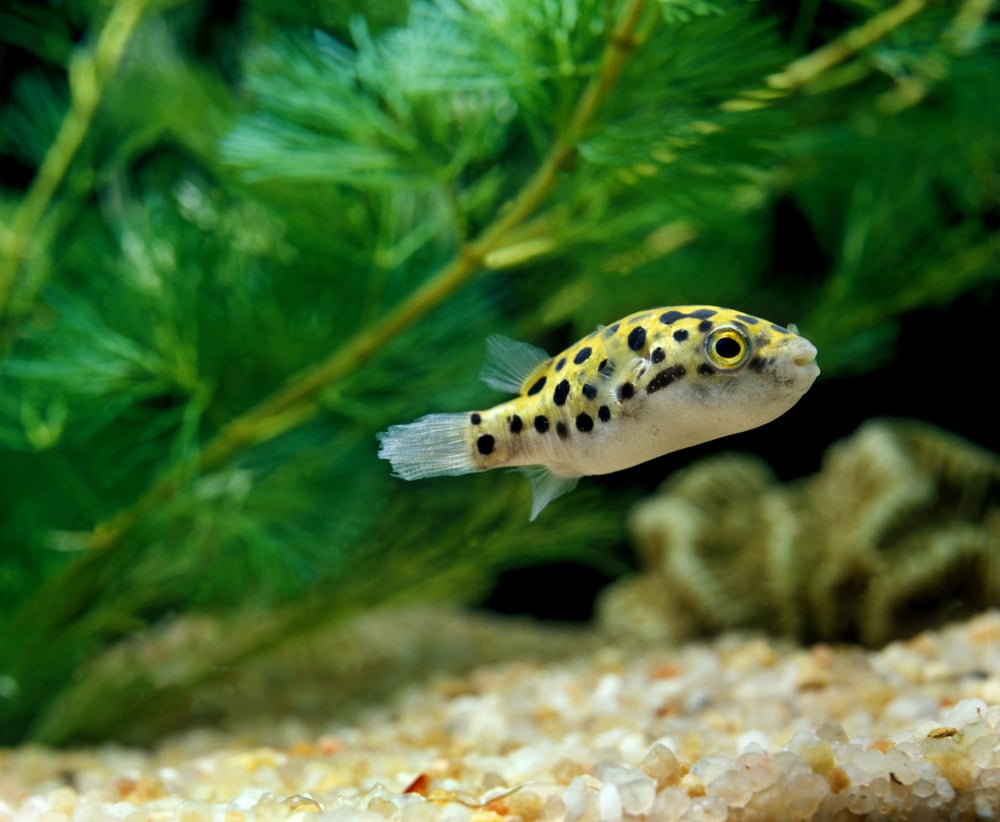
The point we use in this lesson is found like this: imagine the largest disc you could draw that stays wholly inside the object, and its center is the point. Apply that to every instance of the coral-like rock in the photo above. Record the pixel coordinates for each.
(899, 530)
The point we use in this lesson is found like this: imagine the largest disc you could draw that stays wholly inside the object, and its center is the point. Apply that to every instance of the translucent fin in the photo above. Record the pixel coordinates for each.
(546, 486)
(432, 446)
(509, 363)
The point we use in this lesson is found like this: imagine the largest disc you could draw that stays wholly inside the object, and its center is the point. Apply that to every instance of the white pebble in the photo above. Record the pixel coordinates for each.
(758, 768)
(943, 792)
(964, 713)
(708, 809)
(637, 795)
(575, 798)
(733, 787)
(803, 794)
(605, 697)
(609, 804)
(900, 766)
(711, 767)
(671, 804)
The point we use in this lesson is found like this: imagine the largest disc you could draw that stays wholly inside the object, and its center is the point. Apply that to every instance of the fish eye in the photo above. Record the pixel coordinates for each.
(727, 347)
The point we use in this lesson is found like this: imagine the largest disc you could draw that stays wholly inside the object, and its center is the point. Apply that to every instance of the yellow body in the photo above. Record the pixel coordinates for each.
(651, 383)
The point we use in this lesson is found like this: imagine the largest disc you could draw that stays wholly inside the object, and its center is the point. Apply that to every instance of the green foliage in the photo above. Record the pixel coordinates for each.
(253, 242)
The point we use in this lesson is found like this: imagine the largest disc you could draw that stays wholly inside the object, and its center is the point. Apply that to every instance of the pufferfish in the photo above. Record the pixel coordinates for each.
(654, 382)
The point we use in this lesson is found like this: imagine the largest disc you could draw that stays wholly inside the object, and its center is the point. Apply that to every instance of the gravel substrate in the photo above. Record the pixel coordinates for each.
(737, 728)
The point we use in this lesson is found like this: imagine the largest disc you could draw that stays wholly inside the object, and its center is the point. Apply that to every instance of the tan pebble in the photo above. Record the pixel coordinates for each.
(937, 670)
(381, 806)
(838, 779)
(953, 762)
(752, 656)
(498, 806)
(819, 757)
(665, 670)
(139, 790)
(303, 747)
(526, 804)
(328, 745)
(942, 733)
(565, 770)
(882, 744)
(661, 765)
(984, 630)
(300, 802)
(989, 692)
(492, 780)
(809, 676)
(256, 759)
(63, 799)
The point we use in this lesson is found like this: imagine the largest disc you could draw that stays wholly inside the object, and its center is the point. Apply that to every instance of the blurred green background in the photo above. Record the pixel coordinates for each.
(239, 238)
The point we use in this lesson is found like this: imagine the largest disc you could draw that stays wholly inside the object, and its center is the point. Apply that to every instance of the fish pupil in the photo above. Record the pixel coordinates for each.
(728, 348)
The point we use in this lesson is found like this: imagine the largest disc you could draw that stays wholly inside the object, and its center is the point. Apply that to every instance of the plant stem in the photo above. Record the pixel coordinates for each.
(89, 78)
(807, 68)
(296, 403)
(801, 71)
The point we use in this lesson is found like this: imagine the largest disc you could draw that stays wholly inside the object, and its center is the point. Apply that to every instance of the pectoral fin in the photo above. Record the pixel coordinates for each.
(546, 486)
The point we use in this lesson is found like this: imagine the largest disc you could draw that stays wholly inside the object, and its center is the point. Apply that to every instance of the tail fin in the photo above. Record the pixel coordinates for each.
(432, 446)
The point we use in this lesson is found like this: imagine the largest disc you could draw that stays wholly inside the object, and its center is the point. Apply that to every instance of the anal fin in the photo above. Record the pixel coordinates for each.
(546, 486)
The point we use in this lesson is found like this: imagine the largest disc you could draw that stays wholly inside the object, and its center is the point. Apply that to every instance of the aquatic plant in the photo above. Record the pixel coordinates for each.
(897, 532)
(235, 247)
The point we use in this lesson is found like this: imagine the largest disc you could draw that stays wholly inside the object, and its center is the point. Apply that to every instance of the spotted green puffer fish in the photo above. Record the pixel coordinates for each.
(655, 382)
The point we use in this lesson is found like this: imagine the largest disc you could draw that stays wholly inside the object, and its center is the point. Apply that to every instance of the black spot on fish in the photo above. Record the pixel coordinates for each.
(705, 325)
(706, 370)
(625, 391)
(584, 422)
(561, 430)
(516, 424)
(604, 413)
(614, 329)
(747, 319)
(670, 317)
(637, 338)
(658, 355)
(758, 364)
(541, 424)
(680, 334)
(582, 355)
(475, 419)
(606, 369)
(590, 391)
(665, 377)
(485, 444)
(560, 364)
(538, 386)
(779, 329)
(561, 393)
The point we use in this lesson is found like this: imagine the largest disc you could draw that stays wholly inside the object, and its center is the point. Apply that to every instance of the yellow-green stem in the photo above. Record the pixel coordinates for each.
(296, 403)
(89, 77)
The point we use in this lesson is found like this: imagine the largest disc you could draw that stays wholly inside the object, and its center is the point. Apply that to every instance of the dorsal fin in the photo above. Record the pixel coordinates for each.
(509, 363)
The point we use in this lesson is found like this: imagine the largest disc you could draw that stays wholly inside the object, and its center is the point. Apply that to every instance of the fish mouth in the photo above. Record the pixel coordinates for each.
(804, 352)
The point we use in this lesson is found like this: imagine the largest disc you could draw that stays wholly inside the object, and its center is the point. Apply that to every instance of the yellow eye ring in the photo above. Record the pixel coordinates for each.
(727, 347)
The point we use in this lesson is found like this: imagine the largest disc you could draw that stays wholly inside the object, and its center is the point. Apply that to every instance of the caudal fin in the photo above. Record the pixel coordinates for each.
(432, 446)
